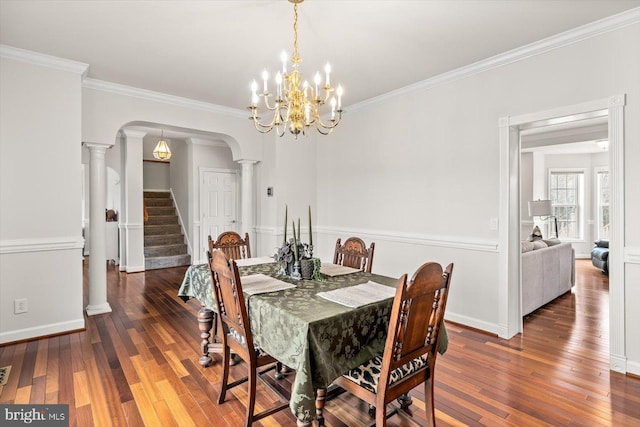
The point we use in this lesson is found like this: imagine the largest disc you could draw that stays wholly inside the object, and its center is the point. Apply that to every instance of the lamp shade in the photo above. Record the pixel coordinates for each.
(540, 208)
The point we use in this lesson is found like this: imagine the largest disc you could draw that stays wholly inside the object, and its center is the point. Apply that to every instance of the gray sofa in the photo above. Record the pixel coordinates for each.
(547, 273)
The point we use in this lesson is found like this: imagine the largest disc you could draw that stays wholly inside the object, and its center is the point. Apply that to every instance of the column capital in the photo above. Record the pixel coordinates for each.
(97, 145)
(247, 162)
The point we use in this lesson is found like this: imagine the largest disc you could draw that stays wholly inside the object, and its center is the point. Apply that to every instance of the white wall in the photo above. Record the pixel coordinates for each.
(40, 200)
(418, 172)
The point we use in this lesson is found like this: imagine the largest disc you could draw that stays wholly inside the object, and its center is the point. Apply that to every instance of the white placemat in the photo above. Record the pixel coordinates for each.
(254, 261)
(261, 284)
(359, 295)
(336, 270)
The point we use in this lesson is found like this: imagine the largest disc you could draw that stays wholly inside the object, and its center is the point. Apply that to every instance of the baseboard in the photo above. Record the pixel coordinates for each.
(620, 364)
(633, 368)
(135, 269)
(41, 331)
(474, 323)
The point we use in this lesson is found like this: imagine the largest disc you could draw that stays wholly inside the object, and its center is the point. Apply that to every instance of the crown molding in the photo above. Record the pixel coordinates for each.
(149, 95)
(43, 60)
(575, 35)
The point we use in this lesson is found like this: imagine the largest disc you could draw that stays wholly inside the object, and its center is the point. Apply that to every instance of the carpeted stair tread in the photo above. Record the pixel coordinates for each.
(153, 263)
(165, 250)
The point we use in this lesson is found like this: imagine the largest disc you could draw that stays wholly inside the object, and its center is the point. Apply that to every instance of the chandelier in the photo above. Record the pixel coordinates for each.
(297, 104)
(162, 152)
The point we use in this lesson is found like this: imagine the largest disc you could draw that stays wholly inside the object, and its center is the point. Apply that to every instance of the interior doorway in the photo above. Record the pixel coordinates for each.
(511, 128)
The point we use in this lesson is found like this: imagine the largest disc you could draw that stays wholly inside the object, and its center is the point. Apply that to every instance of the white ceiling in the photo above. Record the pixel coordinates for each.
(211, 50)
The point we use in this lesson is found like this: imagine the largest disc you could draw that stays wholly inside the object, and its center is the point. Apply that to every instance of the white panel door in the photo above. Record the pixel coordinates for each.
(218, 204)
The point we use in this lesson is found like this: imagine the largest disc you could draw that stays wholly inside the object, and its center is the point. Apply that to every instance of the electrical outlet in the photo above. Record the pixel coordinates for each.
(20, 306)
(493, 223)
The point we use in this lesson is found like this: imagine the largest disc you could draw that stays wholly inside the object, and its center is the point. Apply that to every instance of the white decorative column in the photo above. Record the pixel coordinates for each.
(98, 245)
(247, 198)
(133, 208)
(617, 280)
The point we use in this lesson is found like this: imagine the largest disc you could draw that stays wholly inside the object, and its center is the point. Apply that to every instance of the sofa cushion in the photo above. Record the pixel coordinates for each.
(551, 242)
(600, 253)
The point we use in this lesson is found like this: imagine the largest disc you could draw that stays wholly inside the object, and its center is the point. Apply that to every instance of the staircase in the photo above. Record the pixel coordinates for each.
(164, 245)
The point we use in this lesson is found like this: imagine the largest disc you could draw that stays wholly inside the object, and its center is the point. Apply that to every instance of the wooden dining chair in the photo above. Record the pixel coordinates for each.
(232, 244)
(409, 356)
(354, 253)
(237, 336)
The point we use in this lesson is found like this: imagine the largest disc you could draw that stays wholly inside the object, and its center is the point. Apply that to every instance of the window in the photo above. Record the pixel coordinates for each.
(565, 190)
(602, 204)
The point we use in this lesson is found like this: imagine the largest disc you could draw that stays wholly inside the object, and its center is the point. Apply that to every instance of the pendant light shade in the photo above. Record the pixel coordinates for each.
(162, 152)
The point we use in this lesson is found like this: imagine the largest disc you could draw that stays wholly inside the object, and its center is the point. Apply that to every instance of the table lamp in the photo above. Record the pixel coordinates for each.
(543, 209)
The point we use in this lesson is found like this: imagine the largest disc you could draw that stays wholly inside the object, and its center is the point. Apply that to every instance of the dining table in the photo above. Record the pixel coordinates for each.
(303, 327)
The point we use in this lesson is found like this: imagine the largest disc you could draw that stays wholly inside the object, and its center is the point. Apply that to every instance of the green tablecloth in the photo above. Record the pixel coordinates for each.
(319, 339)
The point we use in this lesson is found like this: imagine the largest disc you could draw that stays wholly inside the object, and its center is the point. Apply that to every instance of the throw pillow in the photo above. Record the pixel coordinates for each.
(526, 246)
(539, 244)
(551, 242)
(536, 234)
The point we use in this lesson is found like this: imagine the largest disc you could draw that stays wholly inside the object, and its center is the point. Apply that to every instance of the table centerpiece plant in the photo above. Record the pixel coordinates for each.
(294, 254)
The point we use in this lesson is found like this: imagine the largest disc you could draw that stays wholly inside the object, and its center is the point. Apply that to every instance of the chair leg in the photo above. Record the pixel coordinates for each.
(225, 375)
(429, 407)
(405, 402)
(251, 401)
(381, 414)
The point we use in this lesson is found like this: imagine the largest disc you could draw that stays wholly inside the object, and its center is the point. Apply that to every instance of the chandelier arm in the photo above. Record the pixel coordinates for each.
(261, 130)
(322, 131)
(334, 123)
(270, 108)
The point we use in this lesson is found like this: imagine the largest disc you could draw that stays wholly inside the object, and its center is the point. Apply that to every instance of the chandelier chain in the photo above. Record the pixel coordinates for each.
(296, 57)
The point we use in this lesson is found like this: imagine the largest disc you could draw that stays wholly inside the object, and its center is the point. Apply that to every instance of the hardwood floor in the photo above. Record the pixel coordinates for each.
(139, 366)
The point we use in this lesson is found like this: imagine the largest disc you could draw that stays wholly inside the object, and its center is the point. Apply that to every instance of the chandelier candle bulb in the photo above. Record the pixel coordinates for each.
(265, 77)
(333, 108)
(327, 70)
(339, 97)
(317, 79)
(279, 85)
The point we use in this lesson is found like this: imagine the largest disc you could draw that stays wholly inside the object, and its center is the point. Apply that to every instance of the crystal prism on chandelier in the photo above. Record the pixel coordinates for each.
(297, 104)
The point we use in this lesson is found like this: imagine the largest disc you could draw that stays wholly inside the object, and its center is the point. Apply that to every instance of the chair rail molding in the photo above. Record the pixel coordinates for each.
(632, 255)
(466, 243)
(41, 244)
